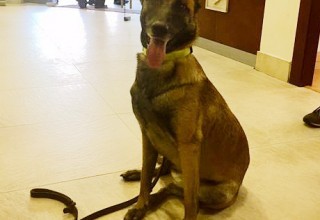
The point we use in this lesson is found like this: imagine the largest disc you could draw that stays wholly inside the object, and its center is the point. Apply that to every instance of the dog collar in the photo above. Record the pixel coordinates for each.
(174, 54)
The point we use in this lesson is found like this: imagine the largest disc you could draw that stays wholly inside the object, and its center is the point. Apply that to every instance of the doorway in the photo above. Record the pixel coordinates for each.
(306, 44)
(316, 75)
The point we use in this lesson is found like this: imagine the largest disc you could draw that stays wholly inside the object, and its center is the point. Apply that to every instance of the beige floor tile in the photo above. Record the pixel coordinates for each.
(270, 111)
(107, 72)
(112, 83)
(60, 151)
(280, 184)
(26, 76)
(131, 122)
(214, 63)
(285, 178)
(121, 102)
(66, 103)
(90, 194)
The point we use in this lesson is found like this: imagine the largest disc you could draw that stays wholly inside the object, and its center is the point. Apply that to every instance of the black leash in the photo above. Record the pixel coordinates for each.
(71, 205)
(50, 194)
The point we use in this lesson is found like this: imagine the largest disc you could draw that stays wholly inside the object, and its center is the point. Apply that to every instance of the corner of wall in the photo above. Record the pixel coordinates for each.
(273, 66)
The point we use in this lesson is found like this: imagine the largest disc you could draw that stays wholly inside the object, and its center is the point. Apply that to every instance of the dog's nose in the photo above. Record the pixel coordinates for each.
(159, 29)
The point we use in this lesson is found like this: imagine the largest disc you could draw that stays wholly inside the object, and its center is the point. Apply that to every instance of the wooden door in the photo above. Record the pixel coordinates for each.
(239, 28)
(306, 43)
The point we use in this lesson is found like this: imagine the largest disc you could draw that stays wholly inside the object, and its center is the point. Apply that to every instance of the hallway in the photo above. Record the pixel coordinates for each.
(66, 121)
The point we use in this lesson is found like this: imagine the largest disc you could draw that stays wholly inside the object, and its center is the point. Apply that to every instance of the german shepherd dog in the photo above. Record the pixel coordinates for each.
(182, 116)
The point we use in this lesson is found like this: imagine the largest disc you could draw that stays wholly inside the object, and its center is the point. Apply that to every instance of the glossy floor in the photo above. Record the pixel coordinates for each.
(66, 122)
(134, 7)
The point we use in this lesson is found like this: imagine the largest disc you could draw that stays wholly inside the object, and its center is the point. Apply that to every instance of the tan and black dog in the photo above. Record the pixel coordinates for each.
(182, 116)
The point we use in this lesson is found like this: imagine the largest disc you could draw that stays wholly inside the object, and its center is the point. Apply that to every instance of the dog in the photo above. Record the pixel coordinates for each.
(182, 116)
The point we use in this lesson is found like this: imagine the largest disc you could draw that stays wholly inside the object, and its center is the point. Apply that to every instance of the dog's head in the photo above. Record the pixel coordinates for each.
(167, 25)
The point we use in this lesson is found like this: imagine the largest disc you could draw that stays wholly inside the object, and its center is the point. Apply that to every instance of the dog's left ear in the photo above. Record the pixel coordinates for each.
(193, 5)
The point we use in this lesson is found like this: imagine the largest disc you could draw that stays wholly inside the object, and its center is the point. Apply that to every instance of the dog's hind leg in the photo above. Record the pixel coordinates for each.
(155, 200)
(211, 196)
(218, 196)
(172, 190)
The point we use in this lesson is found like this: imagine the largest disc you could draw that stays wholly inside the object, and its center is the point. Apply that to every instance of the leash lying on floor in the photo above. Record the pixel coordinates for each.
(71, 205)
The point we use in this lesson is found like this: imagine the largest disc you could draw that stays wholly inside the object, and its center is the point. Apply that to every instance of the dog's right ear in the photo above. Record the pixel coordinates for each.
(197, 5)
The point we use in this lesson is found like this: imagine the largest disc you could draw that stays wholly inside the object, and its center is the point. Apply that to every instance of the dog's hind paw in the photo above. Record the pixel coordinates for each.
(131, 175)
(135, 214)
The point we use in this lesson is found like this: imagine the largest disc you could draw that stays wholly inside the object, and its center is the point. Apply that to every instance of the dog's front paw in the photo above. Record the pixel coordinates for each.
(131, 175)
(135, 214)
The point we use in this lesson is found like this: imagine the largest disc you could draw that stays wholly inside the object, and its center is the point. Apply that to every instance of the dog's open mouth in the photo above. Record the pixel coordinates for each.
(156, 52)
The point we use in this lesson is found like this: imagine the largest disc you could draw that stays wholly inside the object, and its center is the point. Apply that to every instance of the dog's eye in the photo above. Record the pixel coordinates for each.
(184, 7)
(180, 6)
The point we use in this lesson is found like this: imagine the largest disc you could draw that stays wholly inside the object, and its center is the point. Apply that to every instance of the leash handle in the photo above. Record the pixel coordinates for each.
(71, 205)
(50, 194)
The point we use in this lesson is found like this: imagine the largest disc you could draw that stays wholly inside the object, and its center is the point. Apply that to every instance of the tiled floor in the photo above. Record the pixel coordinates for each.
(135, 7)
(66, 121)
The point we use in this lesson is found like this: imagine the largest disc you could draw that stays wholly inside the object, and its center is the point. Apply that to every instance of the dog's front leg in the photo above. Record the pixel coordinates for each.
(149, 159)
(189, 156)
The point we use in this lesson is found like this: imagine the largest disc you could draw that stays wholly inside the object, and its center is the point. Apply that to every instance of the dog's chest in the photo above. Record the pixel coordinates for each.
(156, 90)
(152, 108)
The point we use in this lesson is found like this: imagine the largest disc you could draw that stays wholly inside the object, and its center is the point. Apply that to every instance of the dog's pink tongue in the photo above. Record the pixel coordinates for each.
(156, 52)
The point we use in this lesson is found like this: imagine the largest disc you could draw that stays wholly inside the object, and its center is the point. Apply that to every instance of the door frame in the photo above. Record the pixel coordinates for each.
(306, 43)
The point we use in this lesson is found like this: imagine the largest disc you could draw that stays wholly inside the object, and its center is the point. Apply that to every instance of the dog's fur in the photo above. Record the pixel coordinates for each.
(183, 117)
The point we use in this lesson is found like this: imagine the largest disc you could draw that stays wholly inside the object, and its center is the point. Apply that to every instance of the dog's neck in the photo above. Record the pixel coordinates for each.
(177, 54)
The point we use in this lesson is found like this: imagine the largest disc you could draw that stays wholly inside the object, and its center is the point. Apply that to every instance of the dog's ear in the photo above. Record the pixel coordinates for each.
(197, 5)
(192, 4)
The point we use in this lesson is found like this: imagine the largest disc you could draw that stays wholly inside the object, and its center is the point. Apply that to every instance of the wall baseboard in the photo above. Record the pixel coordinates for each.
(273, 66)
(230, 52)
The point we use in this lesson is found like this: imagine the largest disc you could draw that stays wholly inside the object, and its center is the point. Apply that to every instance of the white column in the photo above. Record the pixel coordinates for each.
(278, 37)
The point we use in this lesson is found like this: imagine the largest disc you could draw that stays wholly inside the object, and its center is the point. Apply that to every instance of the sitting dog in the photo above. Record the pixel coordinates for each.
(182, 116)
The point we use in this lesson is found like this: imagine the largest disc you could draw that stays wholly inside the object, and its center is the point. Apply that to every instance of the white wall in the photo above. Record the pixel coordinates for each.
(279, 28)
(278, 36)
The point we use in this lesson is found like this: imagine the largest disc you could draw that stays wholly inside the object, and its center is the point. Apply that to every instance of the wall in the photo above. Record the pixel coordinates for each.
(278, 36)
